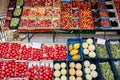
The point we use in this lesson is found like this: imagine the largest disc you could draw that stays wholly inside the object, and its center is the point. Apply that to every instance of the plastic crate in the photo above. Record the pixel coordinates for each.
(106, 48)
(93, 61)
(84, 40)
(107, 61)
(59, 62)
(81, 62)
(73, 41)
(116, 63)
(112, 42)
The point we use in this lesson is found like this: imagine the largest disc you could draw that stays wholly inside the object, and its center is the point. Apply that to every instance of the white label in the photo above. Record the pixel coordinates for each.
(36, 45)
(18, 7)
(101, 41)
(3, 39)
(11, 8)
(114, 42)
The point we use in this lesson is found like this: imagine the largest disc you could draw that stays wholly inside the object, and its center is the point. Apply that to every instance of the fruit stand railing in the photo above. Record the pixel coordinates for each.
(77, 32)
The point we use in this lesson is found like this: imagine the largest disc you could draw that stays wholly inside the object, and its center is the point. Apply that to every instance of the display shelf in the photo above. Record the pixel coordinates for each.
(37, 66)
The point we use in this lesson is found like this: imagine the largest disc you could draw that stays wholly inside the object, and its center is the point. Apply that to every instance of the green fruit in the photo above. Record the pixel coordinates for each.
(115, 49)
(106, 71)
(19, 2)
(17, 12)
(102, 51)
(14, 22)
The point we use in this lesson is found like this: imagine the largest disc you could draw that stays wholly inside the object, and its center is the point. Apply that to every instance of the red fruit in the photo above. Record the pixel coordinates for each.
(45, 73)
(21, 69)
(14, 51)
(33, 72)
(9, 69)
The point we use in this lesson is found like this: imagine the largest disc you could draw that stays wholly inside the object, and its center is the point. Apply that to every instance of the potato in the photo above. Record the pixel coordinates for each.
(76, 57)
(74, 52)
(76, 46)
(70, 48)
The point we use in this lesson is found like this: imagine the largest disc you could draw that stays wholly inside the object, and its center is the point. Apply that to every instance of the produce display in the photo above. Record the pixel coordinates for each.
(46, 71)
(104, 14)
(57, 61)
(17, 12)
(102, 51)
(86, 14)
(74, 49)
(116, 2)
(19, 2)
(21, 69)
(60, 71)
(89, 48)
(33, 70)
(58, 14)
(14, 23)
(115, 49)
(4, 46)
(9, 13)
(8, 70)
(106, 71)
(75, 71)
(1, 64)
(13, 52)
(54, 52)
(117, 66)
(90, 70)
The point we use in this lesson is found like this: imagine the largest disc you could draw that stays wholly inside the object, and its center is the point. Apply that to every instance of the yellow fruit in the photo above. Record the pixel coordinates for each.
(76, 46)
(70, 47)
(76, 57)
(74, 52)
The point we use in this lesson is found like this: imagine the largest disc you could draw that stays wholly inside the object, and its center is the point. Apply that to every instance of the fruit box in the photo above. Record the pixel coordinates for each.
(105, 23)
(109, 5)
(74, 41)
(8, 68)
(84, 40)
(103, 13)
(116, 64)
(14, 23)
(46, 70)
(106, 66)
(95, 14)
(16, 12)
(19, 3)
(71, 65)
(94, 5)
(114, 48)
(33, 69)
(112, 13)
(21, 68)
(61, 67)
(95, 62)
(104, 49)
(114, 22)
(54, 51)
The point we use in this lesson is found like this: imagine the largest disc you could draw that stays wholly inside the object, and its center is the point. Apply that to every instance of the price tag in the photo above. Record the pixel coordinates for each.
(18, 7)
(36, 45)
(11, 8)
(114, 42)
(101, 41)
